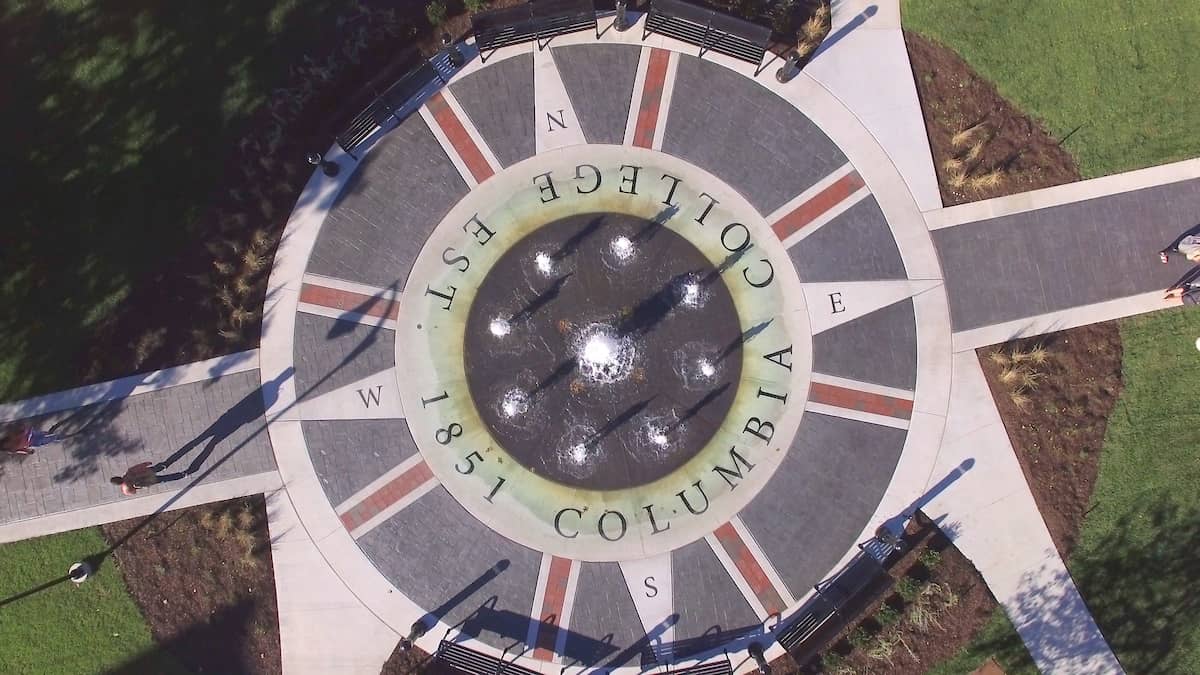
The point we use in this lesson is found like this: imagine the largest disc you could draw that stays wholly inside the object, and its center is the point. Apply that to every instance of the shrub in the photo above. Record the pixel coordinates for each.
(476, 5)
(887, 615)
(435, 12)
(832, 662)
(908, 589)
(859, 638)
(930, 558)
(882, 648)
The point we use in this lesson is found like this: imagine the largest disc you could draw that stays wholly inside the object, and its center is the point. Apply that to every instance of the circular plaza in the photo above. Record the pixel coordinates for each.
(605, 355)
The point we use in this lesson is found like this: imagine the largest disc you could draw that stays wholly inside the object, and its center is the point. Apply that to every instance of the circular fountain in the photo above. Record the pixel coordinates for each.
(601, 322)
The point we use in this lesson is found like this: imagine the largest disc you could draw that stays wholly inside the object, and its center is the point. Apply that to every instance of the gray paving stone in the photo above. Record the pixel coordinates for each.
(599, 79)
(225, 441)
(434, 551)
(745, 135)
(1042, 261)
(705, 597)
(404, 187)
(349, 454)
(605, 628)
(821, 497)
(499, 101)
(331, 353)
(880, 348)
(855, 246)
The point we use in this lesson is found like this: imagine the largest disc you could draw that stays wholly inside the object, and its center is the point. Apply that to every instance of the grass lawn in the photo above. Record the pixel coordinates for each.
(1137, 562)
(121, 118)
(65, 629)
(1121, 75)
(997, 639)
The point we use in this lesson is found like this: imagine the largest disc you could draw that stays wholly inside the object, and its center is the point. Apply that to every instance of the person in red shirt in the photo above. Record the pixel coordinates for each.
(24, 437)
(137, 476)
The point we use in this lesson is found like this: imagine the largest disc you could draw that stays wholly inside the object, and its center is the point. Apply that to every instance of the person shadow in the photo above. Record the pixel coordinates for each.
(250, 409)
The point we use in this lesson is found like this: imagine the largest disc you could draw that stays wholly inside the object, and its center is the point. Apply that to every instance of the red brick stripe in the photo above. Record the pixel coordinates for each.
(457, 134)
(750, 569)
(349, 301)
(553, 602)
(819, 203)
(389, 494)
(652, 91)
(853, 399)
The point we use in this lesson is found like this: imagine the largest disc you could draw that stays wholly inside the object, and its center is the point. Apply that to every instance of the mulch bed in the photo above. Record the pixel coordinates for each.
(917, 650)
(1006, 153)
(204, 581)
(1058, 431)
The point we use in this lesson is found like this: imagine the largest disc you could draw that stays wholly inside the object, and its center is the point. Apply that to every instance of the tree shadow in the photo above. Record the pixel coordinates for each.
(1138, 579)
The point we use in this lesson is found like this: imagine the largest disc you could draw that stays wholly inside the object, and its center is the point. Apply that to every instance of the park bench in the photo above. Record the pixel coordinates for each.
(709, 29)
(385, 105)
(467, 660)
(824, 614)
(535, 20)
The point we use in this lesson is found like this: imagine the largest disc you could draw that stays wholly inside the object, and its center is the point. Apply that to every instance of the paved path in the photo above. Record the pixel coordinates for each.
(208, 415)
(355, 515)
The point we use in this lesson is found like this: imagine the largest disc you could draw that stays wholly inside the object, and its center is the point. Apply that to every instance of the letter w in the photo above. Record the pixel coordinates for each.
(371, 395)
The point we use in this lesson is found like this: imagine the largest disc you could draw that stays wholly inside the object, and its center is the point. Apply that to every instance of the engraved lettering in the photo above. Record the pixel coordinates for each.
(371, 395)
(558, 522)
(595, 176)
(480, 229)
(653, 523)
(551, 121)
(470, 463)
(496, 489)
(455, 260)
(446, 434)
(758, 428)
(670, 193)
(762, 284)
(426, 401)
(762, 393)
(777, 357)
(739, 247)
(835, 302)
(712, 201)
(548, 187)
(631, 181)
(620, 519)
(682, 494)
(449, 298)
(651, 589)
(736, 471)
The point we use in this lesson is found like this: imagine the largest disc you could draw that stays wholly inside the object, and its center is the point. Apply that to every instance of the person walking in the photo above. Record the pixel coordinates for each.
(136, 477)
(24, 438)
(1187, 289)
(1188, 244)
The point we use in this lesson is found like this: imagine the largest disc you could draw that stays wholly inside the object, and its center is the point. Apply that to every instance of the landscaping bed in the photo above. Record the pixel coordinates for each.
(982, 145)
(203, 580)
(1055, 393)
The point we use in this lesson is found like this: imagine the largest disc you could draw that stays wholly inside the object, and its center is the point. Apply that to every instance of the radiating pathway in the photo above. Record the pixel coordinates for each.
(212, 411)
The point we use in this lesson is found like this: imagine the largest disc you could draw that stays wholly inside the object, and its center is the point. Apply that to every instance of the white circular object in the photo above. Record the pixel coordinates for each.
(1198, 343)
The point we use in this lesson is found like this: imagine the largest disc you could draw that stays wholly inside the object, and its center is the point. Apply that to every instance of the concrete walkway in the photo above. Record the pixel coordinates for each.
(206, 417)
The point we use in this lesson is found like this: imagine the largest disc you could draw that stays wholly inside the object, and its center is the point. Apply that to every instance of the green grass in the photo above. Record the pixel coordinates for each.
(64, 629)
(121, 120)
(1123, 73)
(1137, 563)
(997, 639)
